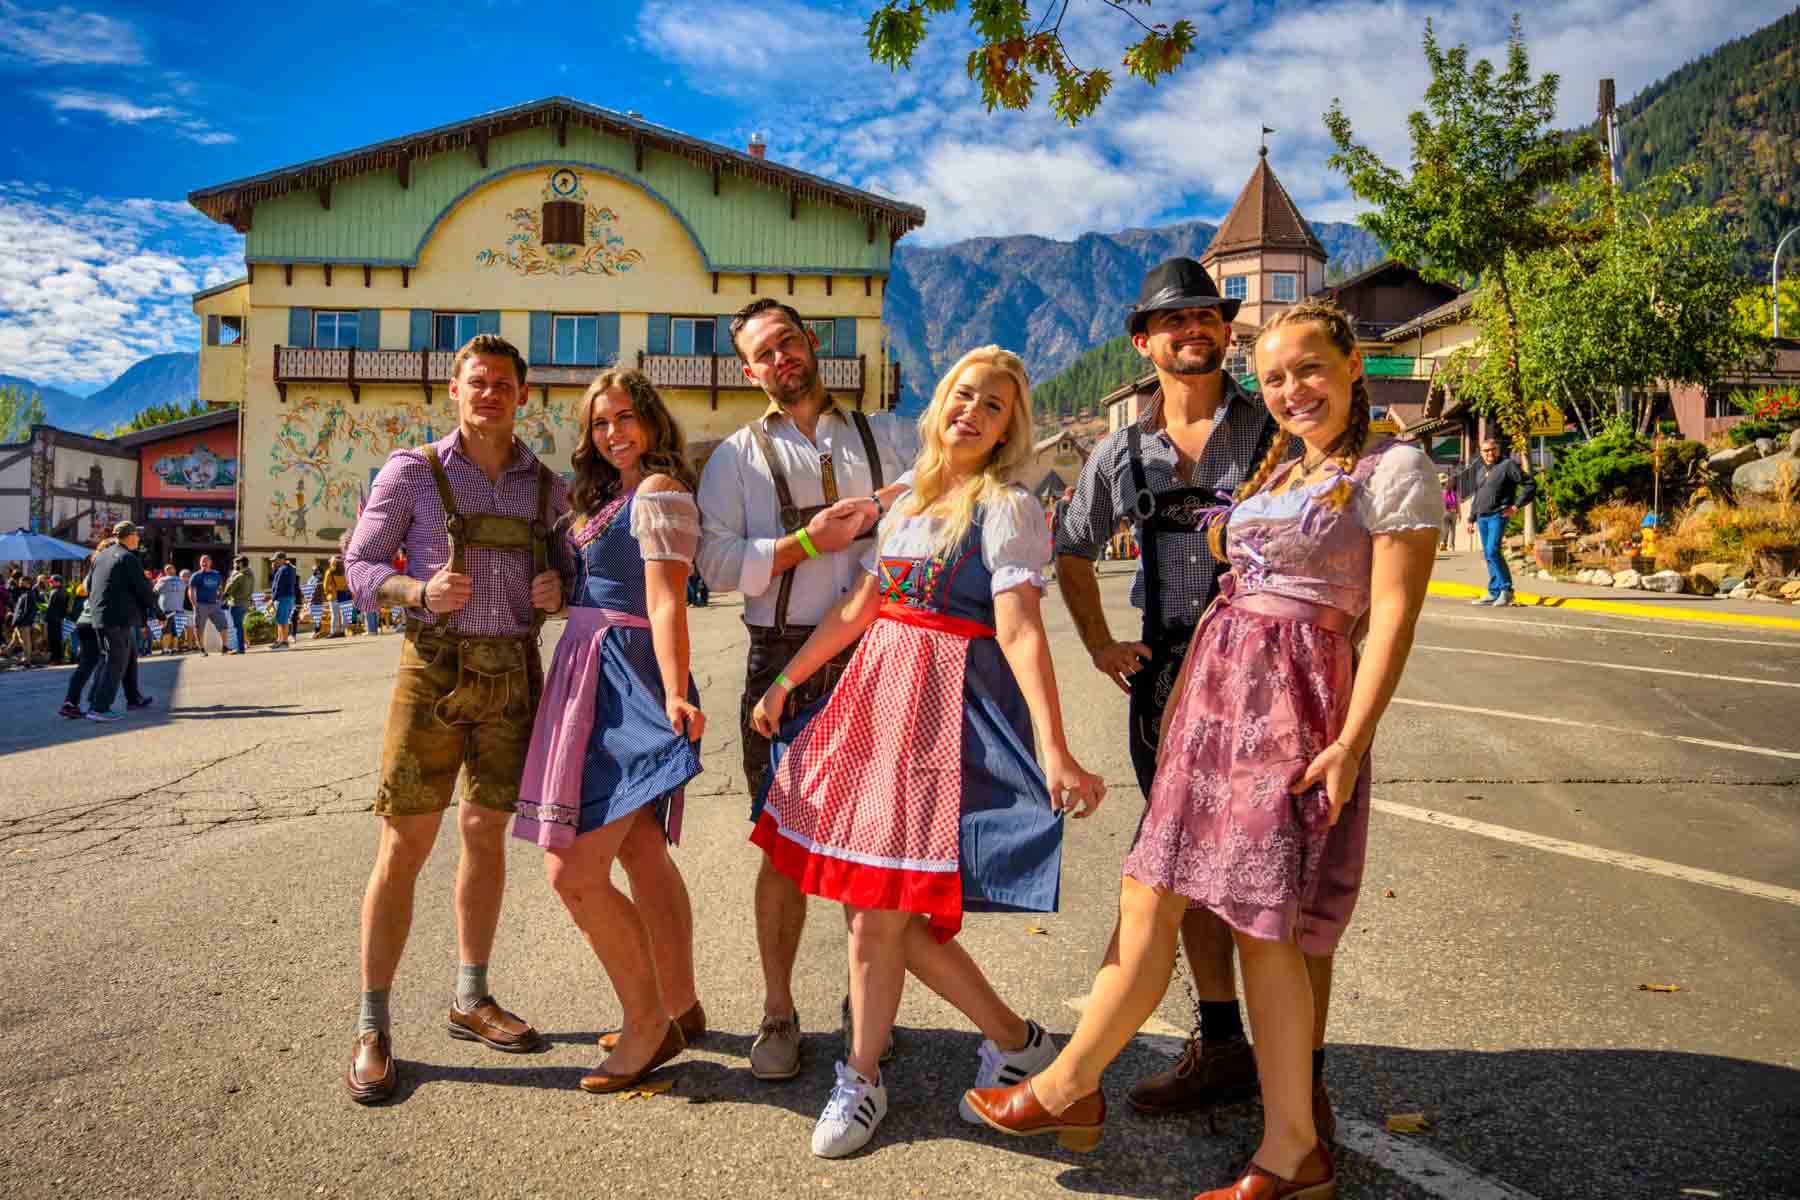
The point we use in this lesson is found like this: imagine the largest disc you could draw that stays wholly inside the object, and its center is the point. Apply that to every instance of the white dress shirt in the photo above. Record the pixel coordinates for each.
(741, 515)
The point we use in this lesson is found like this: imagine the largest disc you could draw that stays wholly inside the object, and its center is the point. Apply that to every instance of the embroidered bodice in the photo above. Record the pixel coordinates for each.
(1007, 545)
(611, 547)
(1313, 542)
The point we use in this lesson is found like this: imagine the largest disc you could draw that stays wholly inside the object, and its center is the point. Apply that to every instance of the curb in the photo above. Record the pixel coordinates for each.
(1623, 608)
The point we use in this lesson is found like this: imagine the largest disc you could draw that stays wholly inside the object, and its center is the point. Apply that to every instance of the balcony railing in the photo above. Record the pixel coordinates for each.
(356, 368)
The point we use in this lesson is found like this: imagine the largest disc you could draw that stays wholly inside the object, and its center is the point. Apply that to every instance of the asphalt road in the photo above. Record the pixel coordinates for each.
(178, 950)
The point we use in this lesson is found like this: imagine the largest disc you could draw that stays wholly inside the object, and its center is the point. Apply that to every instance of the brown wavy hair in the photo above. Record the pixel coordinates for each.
(665, 449)
(1348, 447)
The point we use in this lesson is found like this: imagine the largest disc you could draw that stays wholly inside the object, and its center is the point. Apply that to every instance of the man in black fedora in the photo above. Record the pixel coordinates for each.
(1199, 435)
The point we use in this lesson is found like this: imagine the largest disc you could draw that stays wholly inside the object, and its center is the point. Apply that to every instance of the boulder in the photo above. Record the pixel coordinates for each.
(1731, 583)
(1627, 579)
(1762, 478)
(1768, 588)
(1714, 571)
(1764, 447)
(1791, 590)
(1725, 461)
(1701, 585)
(1664, 581)
(1794, 442)
(1740, 592)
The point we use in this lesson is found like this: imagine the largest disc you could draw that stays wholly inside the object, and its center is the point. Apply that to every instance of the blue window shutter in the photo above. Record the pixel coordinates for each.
(368, 329)
(212, 331)
(587, 342)
(419, 338)
(722, 339)
(844, 330)
(539, 352)
(609, 339)
(658, 341)
(488, 321)
(299, 327)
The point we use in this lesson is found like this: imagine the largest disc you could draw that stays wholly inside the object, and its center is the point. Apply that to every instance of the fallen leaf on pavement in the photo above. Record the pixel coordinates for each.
(1407, 1123)
(1037, 929)
(1389, 893)
(1659, 987)
(650, 1089)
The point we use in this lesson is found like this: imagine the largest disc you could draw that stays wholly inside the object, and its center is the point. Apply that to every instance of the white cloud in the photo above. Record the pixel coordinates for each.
(90, 285)
(67, 37)
(122, 110)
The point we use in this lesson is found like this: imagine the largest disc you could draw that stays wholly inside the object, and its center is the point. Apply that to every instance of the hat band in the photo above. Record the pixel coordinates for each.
(1174, 295)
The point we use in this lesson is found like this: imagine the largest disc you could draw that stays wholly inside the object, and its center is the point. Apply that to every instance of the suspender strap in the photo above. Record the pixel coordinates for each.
(453, 522)
(540, 543)
(1144, 503)
(867, 434)
(784, 497)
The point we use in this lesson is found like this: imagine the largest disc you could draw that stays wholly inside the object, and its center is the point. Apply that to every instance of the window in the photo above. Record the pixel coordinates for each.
(1237, 287)
(224, 331)
(334, 330)
(452, 331)
(692, 335)
(563, 220)
(827, 333)
(575, 341)
(1237, 362)
(1718, 403)
(1284, 288)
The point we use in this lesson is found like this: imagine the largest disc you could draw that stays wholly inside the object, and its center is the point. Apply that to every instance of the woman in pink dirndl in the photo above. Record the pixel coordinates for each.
(1259, 810)
(617, 734)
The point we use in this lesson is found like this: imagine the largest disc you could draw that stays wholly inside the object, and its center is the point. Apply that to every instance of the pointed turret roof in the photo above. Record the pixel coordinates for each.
(1264, 218)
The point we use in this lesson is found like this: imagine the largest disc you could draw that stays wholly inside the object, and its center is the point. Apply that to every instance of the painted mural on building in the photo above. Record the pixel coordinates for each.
(325, 449)
(602, 250)
(197, 469)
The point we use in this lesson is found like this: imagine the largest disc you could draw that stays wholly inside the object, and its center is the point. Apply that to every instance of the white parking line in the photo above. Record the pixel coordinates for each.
(1539, 718)
(1424, 1168)
(1435, 614)
(1612, 858)
(1607, 666)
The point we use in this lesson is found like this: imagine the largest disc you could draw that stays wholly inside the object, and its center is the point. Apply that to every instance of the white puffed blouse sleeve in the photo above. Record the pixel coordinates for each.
(1403, 492)
(666, 525)
(1015, 541)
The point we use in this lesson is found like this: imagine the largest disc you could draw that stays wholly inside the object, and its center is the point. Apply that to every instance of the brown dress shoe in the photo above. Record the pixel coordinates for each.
(1016, 1110)
(1207, 1075)
(493, 1026)
(372, 1075)
(1324, 1120)
(692, 1022)
(600, 1082)
(1316, 1179)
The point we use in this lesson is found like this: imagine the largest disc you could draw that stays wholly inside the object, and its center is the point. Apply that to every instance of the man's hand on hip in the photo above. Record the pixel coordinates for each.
(1118, 661)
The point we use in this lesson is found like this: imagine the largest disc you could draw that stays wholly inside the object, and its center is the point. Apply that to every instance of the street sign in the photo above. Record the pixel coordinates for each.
(1545, 418)
(1385, 427)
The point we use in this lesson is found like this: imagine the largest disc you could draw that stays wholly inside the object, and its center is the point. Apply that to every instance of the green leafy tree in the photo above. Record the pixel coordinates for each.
(1758, 315)
(1017, 50)
(1651, 298)
(1076, 389)
(19, 411)
(1483, 156)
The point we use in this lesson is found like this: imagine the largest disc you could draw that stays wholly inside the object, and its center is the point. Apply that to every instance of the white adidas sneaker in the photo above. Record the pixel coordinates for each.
(1001, 1069)
(856, 1107)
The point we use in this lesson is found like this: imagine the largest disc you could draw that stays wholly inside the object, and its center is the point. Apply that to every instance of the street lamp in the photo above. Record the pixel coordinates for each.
(1775, 277)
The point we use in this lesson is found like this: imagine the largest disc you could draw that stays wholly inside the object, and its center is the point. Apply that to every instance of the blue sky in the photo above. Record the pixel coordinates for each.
(117, 111)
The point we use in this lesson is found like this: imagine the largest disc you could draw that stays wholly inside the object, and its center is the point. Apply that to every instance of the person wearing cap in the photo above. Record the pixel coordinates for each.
(56, 610)
(1200, 436)
(119, 602)
(237, 594)
(284, 594)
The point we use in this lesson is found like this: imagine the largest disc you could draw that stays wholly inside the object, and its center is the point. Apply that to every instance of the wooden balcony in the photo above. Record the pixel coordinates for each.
(723, 372)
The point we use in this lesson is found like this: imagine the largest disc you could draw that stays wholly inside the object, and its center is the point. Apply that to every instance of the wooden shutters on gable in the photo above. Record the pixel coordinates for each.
(539, 352)
(563, 221)
(609, 338)
(368, 329)
(418, 335)
(656, 340)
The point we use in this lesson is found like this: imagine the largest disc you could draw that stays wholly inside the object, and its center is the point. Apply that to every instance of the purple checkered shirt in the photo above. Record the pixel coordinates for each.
(404, 512)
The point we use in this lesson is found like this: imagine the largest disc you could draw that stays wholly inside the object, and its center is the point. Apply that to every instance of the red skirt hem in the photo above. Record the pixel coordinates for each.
(935, 895)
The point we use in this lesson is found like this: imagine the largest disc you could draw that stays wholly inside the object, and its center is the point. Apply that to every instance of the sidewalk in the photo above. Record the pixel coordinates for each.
(1462, 574)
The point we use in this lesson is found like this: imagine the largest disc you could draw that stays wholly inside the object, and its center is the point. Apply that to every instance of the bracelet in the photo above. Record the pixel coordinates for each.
(805, 540)
(880, 509)
(782, 681)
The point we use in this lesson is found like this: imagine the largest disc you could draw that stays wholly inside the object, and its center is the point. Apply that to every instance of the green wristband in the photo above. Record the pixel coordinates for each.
(805, 540)
(782, 681)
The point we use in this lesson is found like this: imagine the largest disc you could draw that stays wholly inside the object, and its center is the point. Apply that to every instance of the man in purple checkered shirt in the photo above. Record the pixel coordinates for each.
(474, 513)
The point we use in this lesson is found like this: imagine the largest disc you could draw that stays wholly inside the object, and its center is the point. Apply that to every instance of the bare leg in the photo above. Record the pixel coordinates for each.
(406, 843)
(661, 897)
(877, 974)
(780, 919)
(581, 875)
(1130, 985)
(480, 880)
(947, 969)
(1281, 1019)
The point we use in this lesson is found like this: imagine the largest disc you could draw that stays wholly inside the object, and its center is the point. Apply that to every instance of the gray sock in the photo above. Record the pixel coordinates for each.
(471, 985)
(374, 1013)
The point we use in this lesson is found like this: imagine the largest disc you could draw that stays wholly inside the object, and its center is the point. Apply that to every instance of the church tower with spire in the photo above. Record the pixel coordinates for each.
(1264, 253)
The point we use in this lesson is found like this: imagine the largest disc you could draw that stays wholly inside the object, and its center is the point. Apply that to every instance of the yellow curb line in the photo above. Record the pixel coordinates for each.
(1617, 607)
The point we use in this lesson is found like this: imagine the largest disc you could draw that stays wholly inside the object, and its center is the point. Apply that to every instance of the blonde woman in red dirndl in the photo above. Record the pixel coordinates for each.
(914, 793)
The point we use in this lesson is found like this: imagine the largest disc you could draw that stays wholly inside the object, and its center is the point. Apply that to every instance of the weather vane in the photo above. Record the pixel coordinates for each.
(1266, 131)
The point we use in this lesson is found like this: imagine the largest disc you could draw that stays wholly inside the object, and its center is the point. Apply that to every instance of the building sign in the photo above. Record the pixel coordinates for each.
(172, 512)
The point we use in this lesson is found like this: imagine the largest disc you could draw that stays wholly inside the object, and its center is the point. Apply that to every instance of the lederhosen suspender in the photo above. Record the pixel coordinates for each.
(791, 515)
(1179, 510)
(490, 531)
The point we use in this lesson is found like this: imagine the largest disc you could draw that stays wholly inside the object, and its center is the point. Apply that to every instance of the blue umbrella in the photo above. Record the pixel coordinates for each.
(20, 546)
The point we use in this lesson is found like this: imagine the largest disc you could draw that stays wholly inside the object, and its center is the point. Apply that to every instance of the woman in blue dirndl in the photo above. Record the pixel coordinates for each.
(618, 729)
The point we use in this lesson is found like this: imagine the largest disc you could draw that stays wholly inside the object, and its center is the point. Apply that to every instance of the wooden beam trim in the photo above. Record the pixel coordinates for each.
(327, 274)
(406, 279)
(715, 276)
(405, 171)
(790, 283)
(289, 269)
(325, 196)
(368, 272)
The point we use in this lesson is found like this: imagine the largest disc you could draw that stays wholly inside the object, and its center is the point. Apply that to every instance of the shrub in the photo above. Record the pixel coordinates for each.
(1730, 533)
(258, 628)
(1748, 430)
(1769, 403)
(1619, 465)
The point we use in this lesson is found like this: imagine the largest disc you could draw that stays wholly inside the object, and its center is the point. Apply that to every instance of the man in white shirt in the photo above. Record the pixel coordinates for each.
(782, 502)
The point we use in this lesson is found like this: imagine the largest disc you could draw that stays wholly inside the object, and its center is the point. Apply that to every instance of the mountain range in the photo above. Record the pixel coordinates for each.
(159, 379)
(1049, 301)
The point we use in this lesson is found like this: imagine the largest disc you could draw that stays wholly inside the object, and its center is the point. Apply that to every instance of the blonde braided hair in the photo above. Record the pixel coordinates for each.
(1339, 331)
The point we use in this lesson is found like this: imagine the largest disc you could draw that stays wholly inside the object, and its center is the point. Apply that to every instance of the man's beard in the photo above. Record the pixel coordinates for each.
(786, 391)
(1175, 364)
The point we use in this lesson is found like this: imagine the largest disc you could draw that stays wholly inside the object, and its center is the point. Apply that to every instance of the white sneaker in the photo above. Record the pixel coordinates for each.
(856, 1107)
(1002, 1069)
(1504, 599)
(1488, 599)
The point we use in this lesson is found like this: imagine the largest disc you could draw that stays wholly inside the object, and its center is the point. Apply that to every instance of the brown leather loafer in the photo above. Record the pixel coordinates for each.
(1206, 1076)
(692, 1022)
(1316, 1179)
(494, 1027)
(600, 1082)
(372, 1075)
(1015, 1110)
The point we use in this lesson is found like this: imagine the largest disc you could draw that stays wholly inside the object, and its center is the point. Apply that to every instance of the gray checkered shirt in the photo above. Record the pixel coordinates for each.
(1190, 573)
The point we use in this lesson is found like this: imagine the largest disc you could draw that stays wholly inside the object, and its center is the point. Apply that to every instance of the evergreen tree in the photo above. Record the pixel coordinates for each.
(19, 411)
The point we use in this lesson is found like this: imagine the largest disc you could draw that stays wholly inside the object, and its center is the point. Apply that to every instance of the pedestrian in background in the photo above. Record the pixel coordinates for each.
(168, 588)
(56, 611)
(1501, 489)
(284, 594)
(119, 605)
(204, 588)
(25, 625)
(334, 595)
(1452, 511)
(87, 640)
(237, 594)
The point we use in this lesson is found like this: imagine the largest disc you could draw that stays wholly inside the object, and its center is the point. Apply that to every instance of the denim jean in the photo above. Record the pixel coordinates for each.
(1492, 530)
(118, 665)
(237, 612)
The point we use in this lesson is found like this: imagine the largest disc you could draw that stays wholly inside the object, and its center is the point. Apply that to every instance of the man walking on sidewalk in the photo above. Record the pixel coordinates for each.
(120, 598)
(1501, 489)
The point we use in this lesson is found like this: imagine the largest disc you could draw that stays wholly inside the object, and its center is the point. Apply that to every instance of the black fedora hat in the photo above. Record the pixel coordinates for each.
(1178, 283)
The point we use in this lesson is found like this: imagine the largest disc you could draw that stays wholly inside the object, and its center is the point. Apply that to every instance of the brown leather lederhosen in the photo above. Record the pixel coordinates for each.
(772, 647)
(461, 702)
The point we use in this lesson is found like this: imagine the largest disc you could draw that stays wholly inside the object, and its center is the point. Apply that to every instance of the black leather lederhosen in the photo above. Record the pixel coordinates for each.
(773, 647)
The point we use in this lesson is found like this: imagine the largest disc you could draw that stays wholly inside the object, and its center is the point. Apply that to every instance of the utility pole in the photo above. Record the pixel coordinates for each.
(1609, 129)
(1775, 277)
